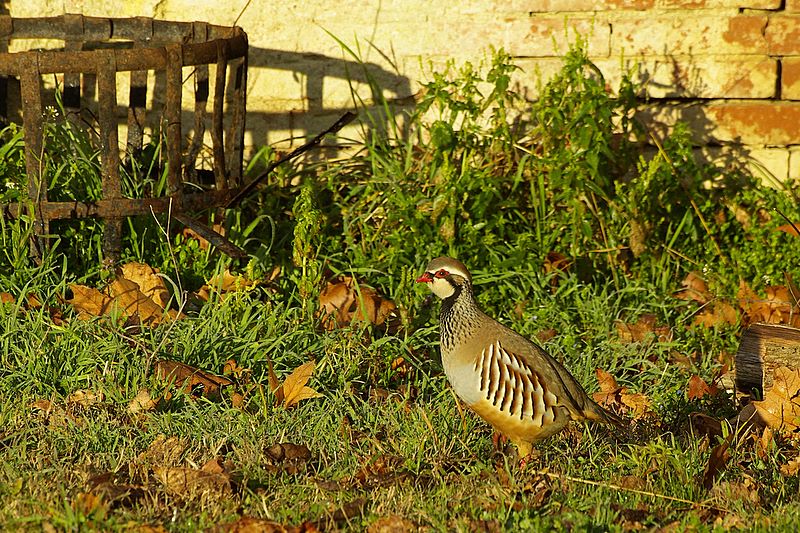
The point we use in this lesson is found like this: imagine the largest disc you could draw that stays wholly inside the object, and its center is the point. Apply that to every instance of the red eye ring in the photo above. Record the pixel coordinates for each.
(441, 273)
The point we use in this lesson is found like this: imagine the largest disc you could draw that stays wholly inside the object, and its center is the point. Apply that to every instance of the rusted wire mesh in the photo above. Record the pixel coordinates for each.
(97, 52)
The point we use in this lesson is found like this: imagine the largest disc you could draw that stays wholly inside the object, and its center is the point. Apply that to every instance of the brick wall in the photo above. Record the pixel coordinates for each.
(731, 68)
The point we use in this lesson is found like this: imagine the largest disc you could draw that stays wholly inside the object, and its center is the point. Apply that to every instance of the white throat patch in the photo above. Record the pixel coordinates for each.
(442, 288)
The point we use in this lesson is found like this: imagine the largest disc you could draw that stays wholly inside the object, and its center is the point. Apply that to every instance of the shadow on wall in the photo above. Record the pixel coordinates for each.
(323, 78)
(679, 98)
(294, 118)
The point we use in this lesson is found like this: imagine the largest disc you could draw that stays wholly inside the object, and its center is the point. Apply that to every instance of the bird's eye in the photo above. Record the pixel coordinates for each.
(442, 273)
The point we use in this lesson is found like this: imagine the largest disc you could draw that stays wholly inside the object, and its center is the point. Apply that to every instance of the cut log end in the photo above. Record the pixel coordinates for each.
(763, 348)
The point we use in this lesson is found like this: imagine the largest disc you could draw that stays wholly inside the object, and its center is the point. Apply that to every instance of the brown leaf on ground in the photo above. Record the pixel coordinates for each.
(716, 314)
(556, 262)
(635, 401)
(232, 368)
(148, 528)
(222, 284)
(780, 408)
(644, 328)
(150, 283)
(716, 463)
(545, 335)
(611, 394)
(392, 524)
(286, 451)
(228, 282)
(6, 298)
(287, 457)
(212, 479)
(192, 380)
(32, 301)
(791, 468)
(780, 305)
(42, 405)
(163, 451)
(118, 490)
(791, 229)
(704, 425)
(345, 300)
(694, 288)
(142, 402)
(89, 302)
(744, 491)
(697, 388)
(85, 398)
(133, 302)
(294, 388)
(765, 443)
(89, 503)
(608, 385)
(190, 234)
(124, 296)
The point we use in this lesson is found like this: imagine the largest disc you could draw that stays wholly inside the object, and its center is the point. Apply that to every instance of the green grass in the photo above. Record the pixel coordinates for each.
(482, 175)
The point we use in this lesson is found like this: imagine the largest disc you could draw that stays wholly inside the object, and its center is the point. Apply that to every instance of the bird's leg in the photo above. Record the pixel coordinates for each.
(499, 440)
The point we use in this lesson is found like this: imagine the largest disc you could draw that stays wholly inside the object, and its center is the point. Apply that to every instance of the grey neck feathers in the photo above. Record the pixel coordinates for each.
(459, 316)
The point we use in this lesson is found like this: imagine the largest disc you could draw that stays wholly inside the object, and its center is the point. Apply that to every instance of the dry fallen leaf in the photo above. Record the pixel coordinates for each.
(294, 388)
(694, 288)
(608, 385)
(765, 443)
(150, 283)
(791, 468)
(697, 388)
(222, 284)
(6, 298)
(142, 402)
(133, 302)
(611, 394)
(212, 479)
(193, 380)
(558, 263)
(716, 463)
(227, 282)
(125, 296)
(716, 314)
(345, 300)
(791, 229)
(163, 451)
(89, 302)
(88, 503)
(704, 425)
(392, 524)
(85, 398)
(780, 305)
(640, 331)
(780, 408)
(42, 405)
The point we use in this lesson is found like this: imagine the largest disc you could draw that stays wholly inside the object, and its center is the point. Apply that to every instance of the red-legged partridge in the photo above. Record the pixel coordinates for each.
(508, 380)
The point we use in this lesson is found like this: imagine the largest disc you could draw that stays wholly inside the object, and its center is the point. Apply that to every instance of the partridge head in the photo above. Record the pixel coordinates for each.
(508, 380)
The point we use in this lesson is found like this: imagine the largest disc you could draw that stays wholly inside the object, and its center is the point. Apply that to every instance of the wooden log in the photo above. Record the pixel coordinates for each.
(763, 348)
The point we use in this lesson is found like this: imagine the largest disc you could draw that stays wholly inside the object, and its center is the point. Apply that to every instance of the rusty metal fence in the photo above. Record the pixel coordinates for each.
(102, 49)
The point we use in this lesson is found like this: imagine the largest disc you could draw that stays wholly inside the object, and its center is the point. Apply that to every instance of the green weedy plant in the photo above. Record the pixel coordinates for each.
(308, 221)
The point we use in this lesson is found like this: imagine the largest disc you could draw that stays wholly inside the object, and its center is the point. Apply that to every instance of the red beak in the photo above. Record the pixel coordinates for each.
(425, 278)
